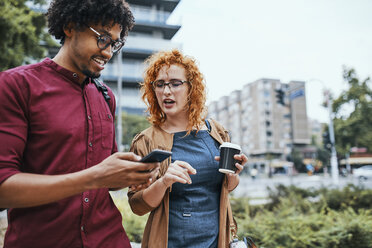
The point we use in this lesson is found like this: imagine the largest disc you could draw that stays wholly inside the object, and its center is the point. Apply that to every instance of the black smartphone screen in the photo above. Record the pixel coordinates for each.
(156, 155)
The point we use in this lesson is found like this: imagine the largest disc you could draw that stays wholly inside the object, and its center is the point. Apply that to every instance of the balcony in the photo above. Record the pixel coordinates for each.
(147, 45)
(131, 98)
(127, 70)
(149, 14)
(147, 27)
(167, 5)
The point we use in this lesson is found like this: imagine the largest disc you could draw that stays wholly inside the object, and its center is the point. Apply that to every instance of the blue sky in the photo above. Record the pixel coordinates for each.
(239, 41)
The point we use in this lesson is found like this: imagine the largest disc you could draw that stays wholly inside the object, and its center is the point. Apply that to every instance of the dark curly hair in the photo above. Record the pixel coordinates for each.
(88, 12)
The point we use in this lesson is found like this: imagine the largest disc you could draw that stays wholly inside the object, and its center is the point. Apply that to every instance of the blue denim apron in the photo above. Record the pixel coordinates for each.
(194, 208)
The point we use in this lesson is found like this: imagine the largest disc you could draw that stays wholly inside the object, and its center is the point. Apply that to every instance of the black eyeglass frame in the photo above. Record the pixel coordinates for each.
(112, 42)
(168, 84)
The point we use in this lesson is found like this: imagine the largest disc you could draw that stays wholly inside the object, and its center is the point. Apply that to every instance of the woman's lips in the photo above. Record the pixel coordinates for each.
(168, 103)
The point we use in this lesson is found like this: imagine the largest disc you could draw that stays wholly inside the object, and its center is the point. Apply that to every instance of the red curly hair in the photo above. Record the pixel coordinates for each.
(197, 92)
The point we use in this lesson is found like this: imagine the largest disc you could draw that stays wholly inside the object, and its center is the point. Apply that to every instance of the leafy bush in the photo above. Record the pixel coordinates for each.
(309, 218)
(350, 196)
(292, 230)
(134, 225)
(295, 218)
(281, 191)
(3, 226)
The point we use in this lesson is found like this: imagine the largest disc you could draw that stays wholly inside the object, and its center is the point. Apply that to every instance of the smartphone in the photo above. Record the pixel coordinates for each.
(156, 155)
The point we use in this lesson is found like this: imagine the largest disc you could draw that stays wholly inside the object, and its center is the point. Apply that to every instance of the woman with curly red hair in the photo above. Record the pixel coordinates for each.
(188, 201)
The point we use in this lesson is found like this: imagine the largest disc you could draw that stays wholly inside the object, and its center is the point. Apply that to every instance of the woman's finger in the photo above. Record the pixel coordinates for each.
(185, 165)
(179, 172)
(174, 178)
(239, 167)
(242, 158)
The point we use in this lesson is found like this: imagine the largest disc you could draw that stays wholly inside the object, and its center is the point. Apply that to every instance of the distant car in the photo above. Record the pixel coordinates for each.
(363, 172)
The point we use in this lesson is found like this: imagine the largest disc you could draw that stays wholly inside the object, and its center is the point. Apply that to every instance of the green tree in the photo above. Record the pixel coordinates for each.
(353, 128)
(132, 125)
(323, 155)
(22, 31)
(297, 157)
(322, 148)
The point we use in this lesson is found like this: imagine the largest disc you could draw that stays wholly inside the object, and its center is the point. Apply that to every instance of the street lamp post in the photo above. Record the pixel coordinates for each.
(119, 87)
(334, 164)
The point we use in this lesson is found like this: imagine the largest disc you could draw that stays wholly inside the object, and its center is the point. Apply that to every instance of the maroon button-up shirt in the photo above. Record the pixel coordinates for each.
(50, 124)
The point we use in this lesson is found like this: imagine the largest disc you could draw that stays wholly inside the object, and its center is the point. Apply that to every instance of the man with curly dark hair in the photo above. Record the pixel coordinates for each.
(58, 156)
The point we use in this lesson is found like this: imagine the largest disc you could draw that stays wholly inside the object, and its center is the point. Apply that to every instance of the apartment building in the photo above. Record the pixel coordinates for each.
(315, 130)
(266, 130)
(151, 33)
(296, 95)
(235, 109)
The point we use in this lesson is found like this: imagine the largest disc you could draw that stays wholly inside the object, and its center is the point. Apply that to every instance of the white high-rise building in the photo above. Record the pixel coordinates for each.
(235, 109)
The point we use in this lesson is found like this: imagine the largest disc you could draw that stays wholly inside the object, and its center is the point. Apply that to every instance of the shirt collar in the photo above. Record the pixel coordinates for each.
(73, 76)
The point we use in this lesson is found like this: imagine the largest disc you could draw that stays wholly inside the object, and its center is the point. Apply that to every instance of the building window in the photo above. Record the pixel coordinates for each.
(269, 144)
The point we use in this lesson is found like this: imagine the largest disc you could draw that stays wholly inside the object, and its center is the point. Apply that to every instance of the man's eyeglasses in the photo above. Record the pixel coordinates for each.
(173, 84)
(104, 40)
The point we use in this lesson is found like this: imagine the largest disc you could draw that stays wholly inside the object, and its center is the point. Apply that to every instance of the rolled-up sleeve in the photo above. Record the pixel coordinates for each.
(13, 124)
(137, 204)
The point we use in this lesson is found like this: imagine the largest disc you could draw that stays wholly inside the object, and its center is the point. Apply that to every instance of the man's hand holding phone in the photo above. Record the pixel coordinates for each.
(155, 156)
(120, 170)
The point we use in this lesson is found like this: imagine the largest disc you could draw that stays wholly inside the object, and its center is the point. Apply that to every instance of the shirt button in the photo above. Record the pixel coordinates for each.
(82, 228)
(74, 74)
(90, 144)
(109, 116)
(86, 199)
(89, 117)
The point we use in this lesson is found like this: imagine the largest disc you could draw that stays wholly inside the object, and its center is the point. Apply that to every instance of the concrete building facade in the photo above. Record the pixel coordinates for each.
(151, 33)
(266, 130)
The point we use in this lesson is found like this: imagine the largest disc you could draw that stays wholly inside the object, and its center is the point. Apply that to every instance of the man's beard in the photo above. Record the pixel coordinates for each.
(91, 74)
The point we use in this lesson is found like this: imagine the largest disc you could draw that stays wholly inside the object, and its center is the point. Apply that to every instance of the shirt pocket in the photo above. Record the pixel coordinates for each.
(107, 130)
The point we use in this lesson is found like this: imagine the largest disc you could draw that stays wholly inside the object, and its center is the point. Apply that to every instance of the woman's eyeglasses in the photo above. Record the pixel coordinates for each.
(173, 84)
(104, 40)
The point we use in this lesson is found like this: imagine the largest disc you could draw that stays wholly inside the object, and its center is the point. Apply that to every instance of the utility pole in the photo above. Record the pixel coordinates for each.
(119, 88)
(334, 164)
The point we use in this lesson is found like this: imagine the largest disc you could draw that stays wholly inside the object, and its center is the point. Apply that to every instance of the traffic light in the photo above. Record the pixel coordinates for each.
(327, 144)
(280, 94)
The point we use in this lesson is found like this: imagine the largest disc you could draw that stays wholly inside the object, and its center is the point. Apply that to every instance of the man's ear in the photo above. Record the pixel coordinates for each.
(68, 29)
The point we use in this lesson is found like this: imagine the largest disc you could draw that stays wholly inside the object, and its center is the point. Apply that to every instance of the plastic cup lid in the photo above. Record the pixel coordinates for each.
(230, 145)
